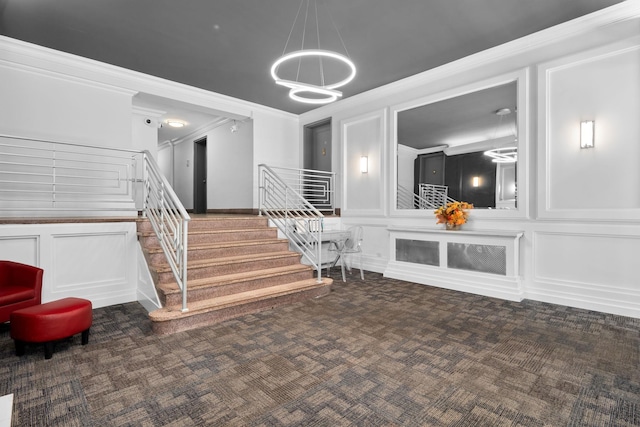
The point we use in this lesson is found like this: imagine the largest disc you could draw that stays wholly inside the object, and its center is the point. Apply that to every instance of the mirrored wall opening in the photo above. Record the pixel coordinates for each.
(462, 148)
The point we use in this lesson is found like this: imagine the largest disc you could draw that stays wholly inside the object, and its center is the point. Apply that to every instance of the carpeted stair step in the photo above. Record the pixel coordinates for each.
(224, 249)
(230, 222)
(218, 286)
(235, 264)
(201, 313)
(149, 239)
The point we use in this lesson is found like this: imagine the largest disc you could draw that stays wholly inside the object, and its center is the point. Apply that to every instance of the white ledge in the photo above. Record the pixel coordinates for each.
(492, 233)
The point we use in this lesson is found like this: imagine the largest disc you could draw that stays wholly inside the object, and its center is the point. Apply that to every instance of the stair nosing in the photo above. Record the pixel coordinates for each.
(212, 262)
(233, 278)
(225, 231)
(241, 298)
(220, 245)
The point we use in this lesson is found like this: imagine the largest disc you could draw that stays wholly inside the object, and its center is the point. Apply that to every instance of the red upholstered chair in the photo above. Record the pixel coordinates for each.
(20, 287)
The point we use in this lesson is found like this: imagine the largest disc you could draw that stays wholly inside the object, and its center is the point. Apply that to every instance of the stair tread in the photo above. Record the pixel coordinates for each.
(227, 279)
(209, 262)
(219, 245)
(217, 303)
(152, 233)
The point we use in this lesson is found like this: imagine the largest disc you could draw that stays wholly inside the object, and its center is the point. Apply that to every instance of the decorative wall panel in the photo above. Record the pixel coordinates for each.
(96, 261)
(24, 249)
(364, 193)
(594, 183)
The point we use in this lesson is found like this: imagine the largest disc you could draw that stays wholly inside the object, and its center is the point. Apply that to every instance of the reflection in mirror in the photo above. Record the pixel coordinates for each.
(462, 148)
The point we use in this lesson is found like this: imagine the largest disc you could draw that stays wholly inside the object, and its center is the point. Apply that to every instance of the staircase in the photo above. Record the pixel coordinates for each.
(236, 265)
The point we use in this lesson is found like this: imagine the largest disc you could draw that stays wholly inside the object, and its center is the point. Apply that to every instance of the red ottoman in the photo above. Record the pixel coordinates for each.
(47, 323)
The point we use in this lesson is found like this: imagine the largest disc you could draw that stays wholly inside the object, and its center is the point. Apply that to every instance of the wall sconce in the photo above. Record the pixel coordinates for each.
(587, 133)
(475, 181)
(364, 164)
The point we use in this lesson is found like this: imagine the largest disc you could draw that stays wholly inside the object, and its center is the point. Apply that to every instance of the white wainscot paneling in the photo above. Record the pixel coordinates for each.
(96, 261)
(24, 249)
(596, 272)
(375, 245)
(479, 262)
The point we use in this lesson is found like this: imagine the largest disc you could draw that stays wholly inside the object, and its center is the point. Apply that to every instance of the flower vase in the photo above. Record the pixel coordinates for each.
(451, 227)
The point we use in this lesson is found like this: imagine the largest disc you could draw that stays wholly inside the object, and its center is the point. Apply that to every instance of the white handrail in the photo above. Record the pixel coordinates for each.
(169, 220)
(299, 220)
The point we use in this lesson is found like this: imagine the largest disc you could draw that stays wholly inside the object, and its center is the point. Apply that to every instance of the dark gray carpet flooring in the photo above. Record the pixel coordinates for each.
(375, 353)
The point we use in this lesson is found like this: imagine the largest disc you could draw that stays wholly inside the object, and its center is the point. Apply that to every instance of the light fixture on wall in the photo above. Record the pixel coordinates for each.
(312, 89)
(234, 127)
(364, 164)
(475, 181)
(587, 128)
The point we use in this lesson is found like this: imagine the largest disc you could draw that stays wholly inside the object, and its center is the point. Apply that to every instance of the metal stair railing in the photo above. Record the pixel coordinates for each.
(316, 186)
(169, 220)
(50, 176)
(55, 178)
(434, 196)
(299, 220)
(431, 197)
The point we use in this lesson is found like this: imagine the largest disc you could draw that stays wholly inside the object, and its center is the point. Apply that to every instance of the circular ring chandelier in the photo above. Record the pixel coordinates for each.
(306, 91)
(299, 87)
(503, 155)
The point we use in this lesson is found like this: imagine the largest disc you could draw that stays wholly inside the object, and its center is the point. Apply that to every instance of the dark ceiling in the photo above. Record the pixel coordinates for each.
(228, 46)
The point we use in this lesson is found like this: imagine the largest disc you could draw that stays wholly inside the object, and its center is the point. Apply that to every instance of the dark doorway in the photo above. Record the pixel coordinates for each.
(317, 146)
(317, 156)
(200, 176)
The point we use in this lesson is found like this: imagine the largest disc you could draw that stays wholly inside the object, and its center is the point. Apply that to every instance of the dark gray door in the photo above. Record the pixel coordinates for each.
(429, 169)
(200, 176)
(317, 147)
(317, 156)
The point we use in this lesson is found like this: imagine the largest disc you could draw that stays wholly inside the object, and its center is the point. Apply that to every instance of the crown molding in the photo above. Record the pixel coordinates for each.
(143, 111)
(59, 76)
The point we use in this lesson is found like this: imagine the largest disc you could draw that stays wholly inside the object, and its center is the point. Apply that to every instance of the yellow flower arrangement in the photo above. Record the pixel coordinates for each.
(454, 213)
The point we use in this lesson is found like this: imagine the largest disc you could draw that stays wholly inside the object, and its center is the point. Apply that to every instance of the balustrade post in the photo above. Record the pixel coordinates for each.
(185, 234)
(145, 185)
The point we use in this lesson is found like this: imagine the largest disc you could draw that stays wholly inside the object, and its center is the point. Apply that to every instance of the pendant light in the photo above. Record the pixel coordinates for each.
(306, 88)
(505, 154)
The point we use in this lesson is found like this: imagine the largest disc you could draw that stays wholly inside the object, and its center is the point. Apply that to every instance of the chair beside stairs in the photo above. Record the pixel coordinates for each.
(236, 265)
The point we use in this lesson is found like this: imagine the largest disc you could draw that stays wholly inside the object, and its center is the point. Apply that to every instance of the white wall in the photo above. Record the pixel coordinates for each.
(230, 167)
(183, 172)
(165, 162)
(42, 104)
(406, 165)
(276, 142)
